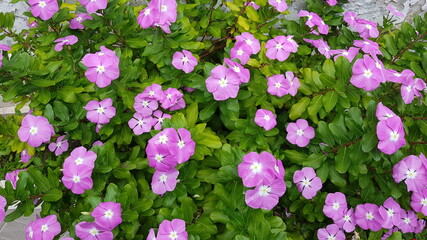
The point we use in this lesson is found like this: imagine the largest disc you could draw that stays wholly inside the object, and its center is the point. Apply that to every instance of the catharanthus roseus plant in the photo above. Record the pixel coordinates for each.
(214, 120)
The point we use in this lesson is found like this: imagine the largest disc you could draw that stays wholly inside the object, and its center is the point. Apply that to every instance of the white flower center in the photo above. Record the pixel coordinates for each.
(181, 144)
(336, 205)
(239, 52)
(305, 182)
(390, 212)
(109, 214)
(279, 1)
(369, 216)
(168, 96)
(151, 93)
(409, 88)
(100, 69)
(164, 8)
(223, 82)
(79, 19)
(140, 122)
(397, 74)
(300, 132)
(368, 26)
(322, 22)
(411, 173)
(101, 54)
(163, 178)
(367, 73)
(58, 144)
(147, 11)
(185, 59)
(388, 115)
(276, 168)
(326, 49)
(144, 103)
(256, 167)
(366, 43)
(264, 190)
(94, 231)
(160, 120)
(278, 46)
(424, 201)
(236, 69)
(76, 179)
(394, 136)
(248, 41)
(45, 228)
(345, 53)
(34, 130)
(347, 218)
(407, 220)
(310, 17)
(330, 237)
(158, 157)
(163, 139)
(173, 235)
(42, 4)
(78, 161)
(378, 65)
(100, 110)
(278, 85)
(266, 118)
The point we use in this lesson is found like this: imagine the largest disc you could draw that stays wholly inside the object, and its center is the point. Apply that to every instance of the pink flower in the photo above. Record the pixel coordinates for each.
(158, 118)
(266, 196)
(366, 75)
(164, 181)
(243, 73)
(97, 143)
(321, 46)
(140, 123)
(241, 51)
(391, 135)
(94, 5)
(257, 169)
(154, 91)
(280, 47)
(44, 9)
(174, 229)
(411, 88)
(3, 204)
(350, 54)
(59, 147)
(76, 23)
(299, 133)
(368, 46)
(184, 60)
(366, 28)
(368, 217)
(81, 157)
(160, 157)
(147, 17)
(151, 235)
(332, 231)
(278, 85)
(332, 2)
(279, 5)
(158, 13)
(421, 224)
(165, 137)
(265, 118)
(253, 4)
(412, 170)
(46, 228)
(103, 67)
(390, 212)
(92, 231)
(418, 201)
(335, 205)
(35, 130)
(314, 20)
(100, 112)
(347, 221)
(13, 177)
(183, 148)
(394, 76)
(394, 11)
(249, 40)
(408, 221)
(25, 156)
(307, 182)
(77, 178)
(223, 83)
(383, 112)
(68, 40)
(172, 99)
(145, 105)
(3, 47)
(350, 18)
(108, 215)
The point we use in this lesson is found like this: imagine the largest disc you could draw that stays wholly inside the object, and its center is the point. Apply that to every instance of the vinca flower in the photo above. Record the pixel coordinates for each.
(299, 133)
(3, 47)
(60, 146)
(335, 205)
(81, 157)
(144, 105)
(103, 67)
(350, 18)
(408, 221)
(393, 11)
(158, 118)
(164, 181)
(253, 4)
(279, 5)
(160, 157)
(92, 231)
(151, 235)
(350, 54)
(68, 40)
(165, 137)
(391, 135)
(278, 85)
(13, 177)
(411, 88)
(368, 47)
(3, 204)
(366, 28)
(44, 9)
(108, 215)
(77, 178)
(332, 2)
(35, 130)
(172, 99)
(94, 5)
(46, 228)
(265, 118)
(223, 83)
(383, 112)
(184, 148)
(140, 123)
(332, 231)
(307, 182)
(366, 75)
(321, 46)
(76, 23)
(394, 76)
(266, 196)
(154, 91)
(184, 61)
(100, 112)
(368, 217)
(390, 212)
(280, 47)
(174, 229)
(158, 13)
(314, 20)
(25, 156)
(418, 201)
(347, 221)
(241, 51)
(249, 40)
(412, 170)
(243, 73)
(257, 169)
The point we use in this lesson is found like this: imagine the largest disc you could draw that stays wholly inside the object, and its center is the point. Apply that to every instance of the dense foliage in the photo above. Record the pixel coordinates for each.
(88, 88)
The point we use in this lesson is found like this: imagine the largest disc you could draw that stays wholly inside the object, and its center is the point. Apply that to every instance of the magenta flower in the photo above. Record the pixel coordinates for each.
(59, 147)
(158, 118)
(147, 17)
(249, 40)
(350, 54)
(100, 112)
(77, 178)
(44, 9)
(280, 47)
(145, 105)
(46, 228)
(167, 13)
(94, 5)
(174, 229)
(418, 201)
(412, 170)
(103, 66)
(293, 82)
(279, 170)
(154, 91)
(368, 46)
(172, 99)
(421, 224)
(321, 46)
(366, 75)
(68, 40)
(307, 182)
(266, 196)
(394, 76)
(366, 28)
(25, 156)
(151, 235)
(368, 217)
(13, 177)
(299, 133)
(164, 181)
(408, 221)
(223, 83)
(350, 18)
(184, 60)
(347, 221)
(165, 137)
(253, 4)
(160, 157)
(3, 47)
(76, 23)
(81, 157)
(32, 24)
(394, 11)
(383, 112)
(278, 85)
(184, 148)
(3, 204)
(390, 212)
(314, 20)
(243, 73)
(391, 135)
(332, 2)
(140, 124)
(241, 51)
(265, 118)
(97, 143)
(92, 231)
(257, 169)
(411, 88)
(108, 215)
(35, 130)
(332, 231)
(279, 5)
(335, 205)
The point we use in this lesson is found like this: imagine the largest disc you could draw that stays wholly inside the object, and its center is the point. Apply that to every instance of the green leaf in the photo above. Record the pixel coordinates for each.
(415, 67)
(369, 141)
(215, 31)
(112, 191)
(315, 105)
(329, 68)
(44, 95)
(191, 115)
(252, 13)
(208, 110)
(241, 21)
(395, 236)
(19, 211)
(61, 111)
(136, 43)
(39, 179)
(342, 160)
(336, 178)
(299, 108)
(52, 195)
(330, 100)
(422, 124)
(295, 156)
(12, 91)
(315, 160)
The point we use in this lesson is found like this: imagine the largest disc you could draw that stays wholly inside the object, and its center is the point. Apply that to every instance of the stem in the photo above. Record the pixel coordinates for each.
(395, 58)
(335, 150)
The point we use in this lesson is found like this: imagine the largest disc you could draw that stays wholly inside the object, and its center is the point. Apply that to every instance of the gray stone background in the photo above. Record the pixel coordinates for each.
(373, 10)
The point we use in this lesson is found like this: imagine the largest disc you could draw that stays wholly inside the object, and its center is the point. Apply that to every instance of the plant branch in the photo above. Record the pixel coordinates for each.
(395, 58)
(335, 150)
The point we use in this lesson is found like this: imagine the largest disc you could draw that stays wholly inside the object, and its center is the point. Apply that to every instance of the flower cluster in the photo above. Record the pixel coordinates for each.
(307, 182)
(245, 46)
(279, 85)
(413, 170)
(78, 169)
(314, 20)
(168, 230)
(265, 173)
(165, 151)
(35, 130)
(76, 23)
(160, 13)
(365, 28)
(103, 67)
(389, 130)
(43, 228)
